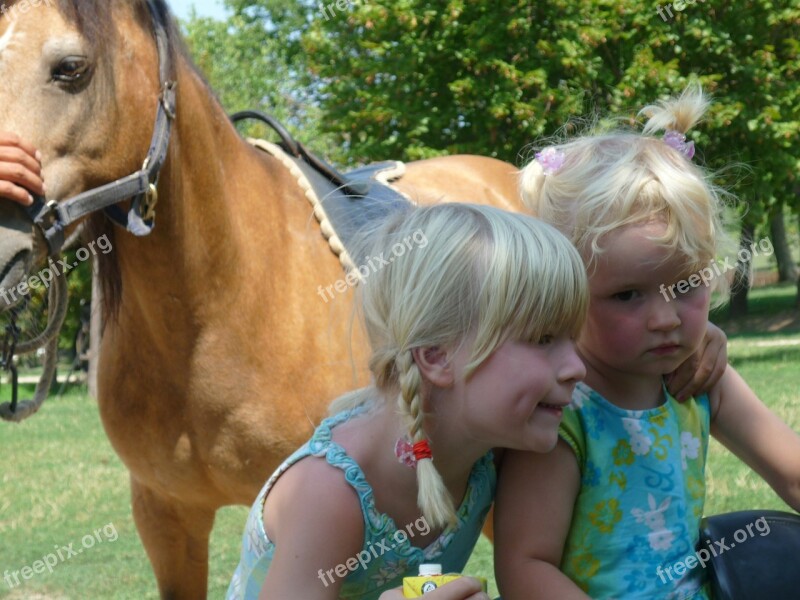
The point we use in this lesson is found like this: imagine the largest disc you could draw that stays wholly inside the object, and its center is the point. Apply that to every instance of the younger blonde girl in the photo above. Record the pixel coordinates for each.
(616, 507)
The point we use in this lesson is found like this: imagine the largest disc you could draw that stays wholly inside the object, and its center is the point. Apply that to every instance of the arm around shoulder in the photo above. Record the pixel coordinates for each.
(758, 436)
(533, 510)
(314, 518)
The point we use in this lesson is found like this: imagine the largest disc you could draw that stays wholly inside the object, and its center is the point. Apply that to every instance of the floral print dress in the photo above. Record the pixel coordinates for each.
(638, 511)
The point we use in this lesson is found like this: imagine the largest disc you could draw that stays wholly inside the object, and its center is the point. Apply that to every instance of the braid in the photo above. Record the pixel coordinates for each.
(433, 498)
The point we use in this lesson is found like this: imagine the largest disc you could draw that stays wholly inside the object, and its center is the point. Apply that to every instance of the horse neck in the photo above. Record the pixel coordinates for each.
(205, 189)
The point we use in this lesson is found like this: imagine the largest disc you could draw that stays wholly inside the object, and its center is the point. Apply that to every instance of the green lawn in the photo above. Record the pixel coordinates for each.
(61, 481)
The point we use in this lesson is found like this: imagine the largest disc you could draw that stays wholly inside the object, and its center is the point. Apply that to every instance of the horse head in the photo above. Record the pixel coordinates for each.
(66, 64)
(78, 74)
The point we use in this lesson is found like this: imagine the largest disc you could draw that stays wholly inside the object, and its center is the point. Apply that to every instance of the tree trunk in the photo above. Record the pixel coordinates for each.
(787, 270)
(797, 298)
(742, 275)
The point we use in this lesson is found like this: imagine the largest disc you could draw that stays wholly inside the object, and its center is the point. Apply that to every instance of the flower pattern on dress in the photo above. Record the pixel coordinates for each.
(689, 447)
(644, 509)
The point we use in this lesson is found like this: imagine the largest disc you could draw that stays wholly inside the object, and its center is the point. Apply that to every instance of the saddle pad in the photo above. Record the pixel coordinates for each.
(342, 216)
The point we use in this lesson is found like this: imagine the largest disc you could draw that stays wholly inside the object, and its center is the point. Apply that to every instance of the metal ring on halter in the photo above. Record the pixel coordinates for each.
(149, 201)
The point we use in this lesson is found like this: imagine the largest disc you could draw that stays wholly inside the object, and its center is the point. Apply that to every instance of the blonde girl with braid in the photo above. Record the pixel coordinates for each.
(614, 511)
(471, 331)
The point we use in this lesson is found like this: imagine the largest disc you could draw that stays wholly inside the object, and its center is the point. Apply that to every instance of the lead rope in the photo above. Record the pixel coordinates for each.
(16, 411)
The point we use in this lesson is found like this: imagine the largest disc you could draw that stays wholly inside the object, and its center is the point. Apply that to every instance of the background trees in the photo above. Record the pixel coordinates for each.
(365, 80)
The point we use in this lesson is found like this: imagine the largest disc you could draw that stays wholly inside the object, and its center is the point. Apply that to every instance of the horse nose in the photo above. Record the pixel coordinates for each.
(16, 252)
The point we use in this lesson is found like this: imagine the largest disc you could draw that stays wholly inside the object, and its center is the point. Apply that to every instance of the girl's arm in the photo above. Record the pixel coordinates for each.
(20, 170)
(315, 520)
(533, 510)
(701, 371)
(755, 434)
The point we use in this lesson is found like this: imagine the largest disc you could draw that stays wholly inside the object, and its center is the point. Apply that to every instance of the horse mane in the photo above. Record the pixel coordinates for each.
(94, 20)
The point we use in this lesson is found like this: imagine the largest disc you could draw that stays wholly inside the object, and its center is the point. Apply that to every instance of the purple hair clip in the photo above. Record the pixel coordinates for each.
(550, 159)
(677, 140)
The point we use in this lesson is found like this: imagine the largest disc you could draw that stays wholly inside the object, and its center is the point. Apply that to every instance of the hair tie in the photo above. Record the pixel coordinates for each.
(551, 160)
(409, 454)
(422, 450)
(677, 140)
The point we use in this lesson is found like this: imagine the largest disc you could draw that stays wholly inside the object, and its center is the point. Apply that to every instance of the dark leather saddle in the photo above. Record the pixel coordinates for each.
(755, 554)
(350, 200)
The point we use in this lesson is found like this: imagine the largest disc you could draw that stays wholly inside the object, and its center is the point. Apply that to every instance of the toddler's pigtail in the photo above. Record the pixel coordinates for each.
(676, 114)
(531, 184)
(432, 498)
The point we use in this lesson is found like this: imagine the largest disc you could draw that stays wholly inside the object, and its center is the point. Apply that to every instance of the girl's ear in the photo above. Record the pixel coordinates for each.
(435, 364)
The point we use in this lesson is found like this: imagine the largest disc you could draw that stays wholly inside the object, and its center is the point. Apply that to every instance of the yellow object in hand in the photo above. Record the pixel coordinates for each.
(430, 578)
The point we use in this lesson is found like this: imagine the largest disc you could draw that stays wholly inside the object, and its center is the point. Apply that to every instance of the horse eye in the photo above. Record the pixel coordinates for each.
(71, 69)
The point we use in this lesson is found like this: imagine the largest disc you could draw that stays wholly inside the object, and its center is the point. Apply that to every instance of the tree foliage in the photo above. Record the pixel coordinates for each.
(418, 78)
(412, 79)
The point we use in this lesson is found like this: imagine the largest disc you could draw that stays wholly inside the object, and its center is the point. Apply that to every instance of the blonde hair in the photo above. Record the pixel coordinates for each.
(482, 272)
(611, 180)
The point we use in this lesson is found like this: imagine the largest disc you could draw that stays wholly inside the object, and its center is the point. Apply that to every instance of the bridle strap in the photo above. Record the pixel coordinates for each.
(52, 218)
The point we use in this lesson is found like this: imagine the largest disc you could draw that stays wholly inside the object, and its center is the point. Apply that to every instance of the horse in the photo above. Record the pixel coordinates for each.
(218, 356)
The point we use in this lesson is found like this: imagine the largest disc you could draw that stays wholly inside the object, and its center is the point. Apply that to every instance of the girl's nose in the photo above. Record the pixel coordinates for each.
(662, 314)
(572, 368)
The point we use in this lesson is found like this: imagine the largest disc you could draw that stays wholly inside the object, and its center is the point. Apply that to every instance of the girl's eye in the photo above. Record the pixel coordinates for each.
(625, 296)
(545, 339)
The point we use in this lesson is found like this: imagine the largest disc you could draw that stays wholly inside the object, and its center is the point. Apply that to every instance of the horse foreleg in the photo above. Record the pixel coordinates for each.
(175, 536)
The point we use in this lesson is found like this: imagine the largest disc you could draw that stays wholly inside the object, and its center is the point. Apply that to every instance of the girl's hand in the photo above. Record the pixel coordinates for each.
(701, 371)
(20, 169)
(463, 588)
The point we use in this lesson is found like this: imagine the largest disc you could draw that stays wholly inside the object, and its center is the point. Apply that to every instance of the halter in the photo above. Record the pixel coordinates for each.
(53, 217)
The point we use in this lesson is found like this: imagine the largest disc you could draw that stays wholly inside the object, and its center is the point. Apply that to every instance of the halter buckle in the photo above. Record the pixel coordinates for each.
(149, 201)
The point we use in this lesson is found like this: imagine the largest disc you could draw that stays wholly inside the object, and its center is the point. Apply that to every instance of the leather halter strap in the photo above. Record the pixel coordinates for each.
(53, 217)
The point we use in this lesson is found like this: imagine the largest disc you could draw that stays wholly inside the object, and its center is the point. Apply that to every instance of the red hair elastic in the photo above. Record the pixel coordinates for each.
(422, 450)
(408, 453)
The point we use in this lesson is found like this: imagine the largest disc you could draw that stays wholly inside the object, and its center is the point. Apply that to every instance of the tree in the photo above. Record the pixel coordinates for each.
(787, 270)
(246, 67)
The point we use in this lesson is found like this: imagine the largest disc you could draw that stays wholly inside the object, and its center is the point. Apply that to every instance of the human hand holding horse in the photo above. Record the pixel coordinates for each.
(20, 169)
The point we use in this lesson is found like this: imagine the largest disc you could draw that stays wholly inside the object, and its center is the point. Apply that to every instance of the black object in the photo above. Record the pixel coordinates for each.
(757, 554)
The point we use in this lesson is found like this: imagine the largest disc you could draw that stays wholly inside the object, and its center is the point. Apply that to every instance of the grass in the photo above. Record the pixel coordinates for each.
(61, 481)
